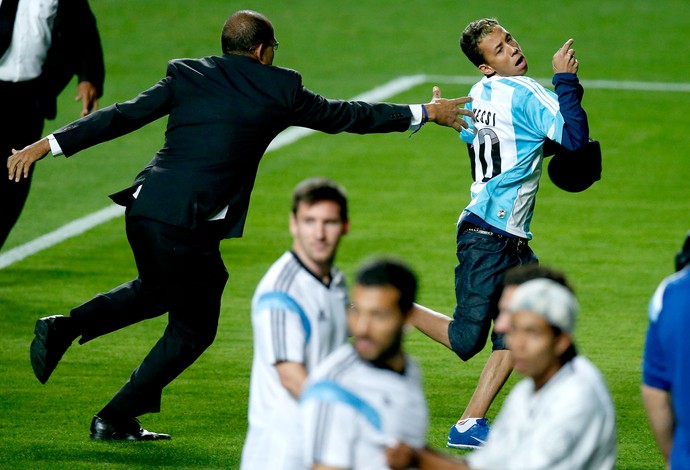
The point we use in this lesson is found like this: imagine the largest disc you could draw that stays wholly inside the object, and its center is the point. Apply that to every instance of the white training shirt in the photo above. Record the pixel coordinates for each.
(31, 39)
(295, 317)
(569, 424)
(352, 411)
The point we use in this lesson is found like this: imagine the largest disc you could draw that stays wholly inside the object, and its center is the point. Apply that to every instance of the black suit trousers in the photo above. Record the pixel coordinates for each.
(21, 124)
(182, 273)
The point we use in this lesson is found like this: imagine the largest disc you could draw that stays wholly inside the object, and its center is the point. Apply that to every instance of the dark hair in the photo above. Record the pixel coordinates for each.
(683, 256)
(473, 35)
(390, 272)
(520, 274)
(313, 190)
(244, 30)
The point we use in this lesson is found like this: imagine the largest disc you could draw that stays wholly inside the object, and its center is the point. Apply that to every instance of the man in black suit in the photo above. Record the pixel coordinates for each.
(34, 69)
(223, 111)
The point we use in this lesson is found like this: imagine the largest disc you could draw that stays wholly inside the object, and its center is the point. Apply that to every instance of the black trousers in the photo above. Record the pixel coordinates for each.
(21, 124)
(182, 273)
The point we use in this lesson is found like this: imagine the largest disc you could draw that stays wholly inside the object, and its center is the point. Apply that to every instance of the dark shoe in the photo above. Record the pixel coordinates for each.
(53, 336)
(127, 430)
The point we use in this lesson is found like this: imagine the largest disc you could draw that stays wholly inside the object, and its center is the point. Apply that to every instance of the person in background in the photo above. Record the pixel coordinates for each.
(298, 318)
(666, 364)
(367, 394)
(42, 46)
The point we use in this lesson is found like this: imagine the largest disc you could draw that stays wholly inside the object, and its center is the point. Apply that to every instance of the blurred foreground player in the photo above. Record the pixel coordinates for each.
(561, 416)
(298, 318)
(367, 395)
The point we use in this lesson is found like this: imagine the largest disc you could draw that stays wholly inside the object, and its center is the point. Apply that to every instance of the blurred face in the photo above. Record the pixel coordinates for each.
(535, 348)
(502, 54)
(502, 323)
(316, 230)
(376, 323)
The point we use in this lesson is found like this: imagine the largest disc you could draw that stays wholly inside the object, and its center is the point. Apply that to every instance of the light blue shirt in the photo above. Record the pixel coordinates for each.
(513, 117)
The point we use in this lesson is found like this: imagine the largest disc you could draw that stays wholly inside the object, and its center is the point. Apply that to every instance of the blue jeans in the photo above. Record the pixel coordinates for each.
(483, 258)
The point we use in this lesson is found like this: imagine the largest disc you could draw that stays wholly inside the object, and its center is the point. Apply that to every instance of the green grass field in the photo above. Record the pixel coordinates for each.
(616, 241)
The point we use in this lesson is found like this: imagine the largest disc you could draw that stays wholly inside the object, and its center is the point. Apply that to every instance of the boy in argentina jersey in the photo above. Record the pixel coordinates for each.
(298, 318)
(513, 118)
(367, 395)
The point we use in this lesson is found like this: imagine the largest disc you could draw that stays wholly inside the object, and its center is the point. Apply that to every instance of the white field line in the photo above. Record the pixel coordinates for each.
(383, 92)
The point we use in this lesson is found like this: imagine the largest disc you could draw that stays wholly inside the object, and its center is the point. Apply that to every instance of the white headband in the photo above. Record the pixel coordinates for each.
(549, 299)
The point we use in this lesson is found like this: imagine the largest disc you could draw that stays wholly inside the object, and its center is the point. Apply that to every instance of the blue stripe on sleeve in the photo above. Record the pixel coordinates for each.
(280, 300)
(331, 392)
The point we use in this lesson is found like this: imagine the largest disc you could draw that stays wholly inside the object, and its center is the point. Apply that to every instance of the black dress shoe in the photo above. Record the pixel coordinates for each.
(53, 336)
(122, 430)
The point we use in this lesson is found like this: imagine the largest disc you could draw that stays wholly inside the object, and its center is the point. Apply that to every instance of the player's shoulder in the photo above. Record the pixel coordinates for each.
(281, 276)
(585, 386)
(675, 287)
(523, 84)
(340, 364)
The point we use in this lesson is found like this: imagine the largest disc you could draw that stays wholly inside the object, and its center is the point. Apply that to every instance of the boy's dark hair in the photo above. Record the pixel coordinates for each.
(313, 190)
(390, 272)
(473, 35)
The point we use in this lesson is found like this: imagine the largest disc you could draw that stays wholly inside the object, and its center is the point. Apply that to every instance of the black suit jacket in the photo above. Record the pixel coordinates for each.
(223, 114)
(75, 50)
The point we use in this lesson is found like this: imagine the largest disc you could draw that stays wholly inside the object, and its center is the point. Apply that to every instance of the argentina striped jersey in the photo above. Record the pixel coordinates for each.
(513, 117)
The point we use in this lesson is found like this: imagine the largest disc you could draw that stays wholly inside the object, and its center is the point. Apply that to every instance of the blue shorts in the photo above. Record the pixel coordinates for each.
(483, 258)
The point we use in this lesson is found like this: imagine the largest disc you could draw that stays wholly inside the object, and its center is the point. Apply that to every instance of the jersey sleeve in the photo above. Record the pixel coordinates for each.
(575, 127)
(330, 430)
(655, 372)
(539, 112)
(281, 328)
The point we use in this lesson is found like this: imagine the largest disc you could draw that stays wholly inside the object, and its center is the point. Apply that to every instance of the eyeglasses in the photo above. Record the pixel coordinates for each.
(274, 46)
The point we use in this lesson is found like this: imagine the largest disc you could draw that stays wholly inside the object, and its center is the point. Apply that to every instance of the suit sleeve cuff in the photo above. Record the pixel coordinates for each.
(55, 148)
(416, 110)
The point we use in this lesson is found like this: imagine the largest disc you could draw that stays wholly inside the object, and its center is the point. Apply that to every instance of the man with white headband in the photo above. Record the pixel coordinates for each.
(560, 416)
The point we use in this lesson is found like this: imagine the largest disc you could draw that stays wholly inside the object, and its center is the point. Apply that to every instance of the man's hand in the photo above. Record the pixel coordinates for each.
(447, 112)
(20, 162)
(401, 456)
(87, 93)
(564, 60)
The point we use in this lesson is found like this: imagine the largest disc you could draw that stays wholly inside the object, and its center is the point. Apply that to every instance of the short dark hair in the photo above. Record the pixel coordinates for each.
(520, 274)
(244, 30)
(389, 272)
(473, 35)
(313, 190)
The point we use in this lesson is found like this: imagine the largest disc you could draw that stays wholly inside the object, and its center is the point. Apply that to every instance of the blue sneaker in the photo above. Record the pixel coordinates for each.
(470, 433)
